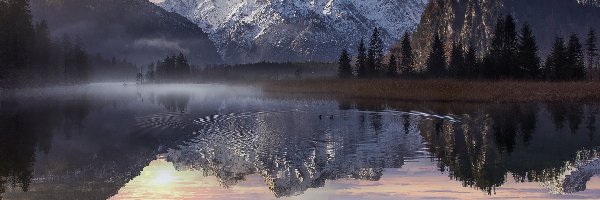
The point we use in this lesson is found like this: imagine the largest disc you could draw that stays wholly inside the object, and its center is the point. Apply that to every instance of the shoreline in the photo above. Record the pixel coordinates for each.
(442, 90)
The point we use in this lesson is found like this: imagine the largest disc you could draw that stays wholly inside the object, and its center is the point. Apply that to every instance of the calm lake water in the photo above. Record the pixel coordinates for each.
(112, 141)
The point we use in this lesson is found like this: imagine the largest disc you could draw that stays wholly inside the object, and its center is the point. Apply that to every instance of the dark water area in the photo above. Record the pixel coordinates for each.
(213, 141)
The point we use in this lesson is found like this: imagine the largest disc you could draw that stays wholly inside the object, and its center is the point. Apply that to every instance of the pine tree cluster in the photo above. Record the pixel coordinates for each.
(28, 53)
(513, 54)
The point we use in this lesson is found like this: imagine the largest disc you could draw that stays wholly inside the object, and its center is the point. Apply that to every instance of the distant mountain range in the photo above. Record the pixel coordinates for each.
(246, 31)
(296, 30)
(137, 30)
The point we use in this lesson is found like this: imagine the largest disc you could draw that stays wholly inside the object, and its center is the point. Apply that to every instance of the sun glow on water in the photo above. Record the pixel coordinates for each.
(163, 177)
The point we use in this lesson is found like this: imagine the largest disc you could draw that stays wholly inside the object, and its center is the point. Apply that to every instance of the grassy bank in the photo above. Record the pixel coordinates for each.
(443, 90)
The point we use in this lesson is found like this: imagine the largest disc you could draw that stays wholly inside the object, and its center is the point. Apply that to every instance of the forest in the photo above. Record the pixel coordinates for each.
(30, 56)
(513, 55)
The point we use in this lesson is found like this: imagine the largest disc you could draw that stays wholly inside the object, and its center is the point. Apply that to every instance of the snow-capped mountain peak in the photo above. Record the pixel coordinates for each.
(277, 30)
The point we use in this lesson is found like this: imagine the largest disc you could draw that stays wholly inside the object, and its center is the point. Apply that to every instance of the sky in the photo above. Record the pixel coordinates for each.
(156, 1)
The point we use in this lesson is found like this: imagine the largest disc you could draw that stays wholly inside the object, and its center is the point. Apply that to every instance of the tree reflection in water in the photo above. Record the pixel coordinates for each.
(292, 149)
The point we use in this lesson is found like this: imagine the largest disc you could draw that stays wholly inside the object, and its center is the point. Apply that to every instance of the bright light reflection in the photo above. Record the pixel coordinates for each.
(163, 177)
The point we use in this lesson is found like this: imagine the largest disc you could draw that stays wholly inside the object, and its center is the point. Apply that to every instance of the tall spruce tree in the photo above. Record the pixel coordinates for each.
(591, 49)
(407, 59)
(436, 62)
(182, 67)
(527, 55)
(392, 67)
(471, 62)
(345, 68)
(493, 58)
(456, 68)
(375, 54)
(509, 52)
(575, 59)
(19, 34)
(557, 66)
(501, 59)
(361, 60)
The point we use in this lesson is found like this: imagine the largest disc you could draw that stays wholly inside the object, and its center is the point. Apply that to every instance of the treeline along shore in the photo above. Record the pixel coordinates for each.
(510, 71)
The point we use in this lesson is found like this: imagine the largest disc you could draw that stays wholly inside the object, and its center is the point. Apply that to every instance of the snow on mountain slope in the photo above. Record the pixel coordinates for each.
(290, 30)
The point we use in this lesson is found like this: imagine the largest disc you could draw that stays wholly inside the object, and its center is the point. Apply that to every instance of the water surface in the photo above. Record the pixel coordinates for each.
(215, 141)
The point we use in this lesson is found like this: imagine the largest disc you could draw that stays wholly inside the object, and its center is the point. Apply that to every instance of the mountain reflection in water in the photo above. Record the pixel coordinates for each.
(105, 140)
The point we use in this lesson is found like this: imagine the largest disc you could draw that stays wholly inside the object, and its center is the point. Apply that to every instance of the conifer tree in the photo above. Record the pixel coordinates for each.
(556, 64)
(492, 60)
(392, 67)
(182, 67)
(527, 54)
(509, 64)
(19, 34)
(575, 59)
(436, 62)
(361, 60)
(345, 68)
(407, 60)
(592, 49)
(501, 60)
(456, 68)
(471, 62)
(375, 54)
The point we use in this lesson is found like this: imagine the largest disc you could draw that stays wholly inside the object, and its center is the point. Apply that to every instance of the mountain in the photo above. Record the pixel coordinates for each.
(137, 30)
(296, 30)
(472, 21)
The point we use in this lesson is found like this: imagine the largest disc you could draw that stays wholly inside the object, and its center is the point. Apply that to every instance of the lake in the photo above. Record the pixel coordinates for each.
(214, 141)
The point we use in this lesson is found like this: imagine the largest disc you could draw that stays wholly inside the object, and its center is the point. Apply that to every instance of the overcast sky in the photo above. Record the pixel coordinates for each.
(156, 1)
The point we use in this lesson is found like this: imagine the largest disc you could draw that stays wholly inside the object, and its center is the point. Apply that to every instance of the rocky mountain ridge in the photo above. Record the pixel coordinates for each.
(296, 30)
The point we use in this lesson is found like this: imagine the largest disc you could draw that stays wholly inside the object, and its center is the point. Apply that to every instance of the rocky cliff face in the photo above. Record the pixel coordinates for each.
(472, 21)
(134, 29)
(317, 30)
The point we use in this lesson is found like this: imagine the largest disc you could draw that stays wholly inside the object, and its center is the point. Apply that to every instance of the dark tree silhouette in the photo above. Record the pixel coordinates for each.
(501, 60)
(173, 68)
(492, 60)
(407, 59)
(457, 67)
(17, 35)
(436, 62)
(392, 67)
(345, 68)
(510, 49)
(471, 62)
(375, 54)
(361, 60)
(591, 49)
(527, 54)
(575, 59)
(556, 63)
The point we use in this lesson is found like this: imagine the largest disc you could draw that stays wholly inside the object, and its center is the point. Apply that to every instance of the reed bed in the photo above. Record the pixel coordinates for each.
(445, 90)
